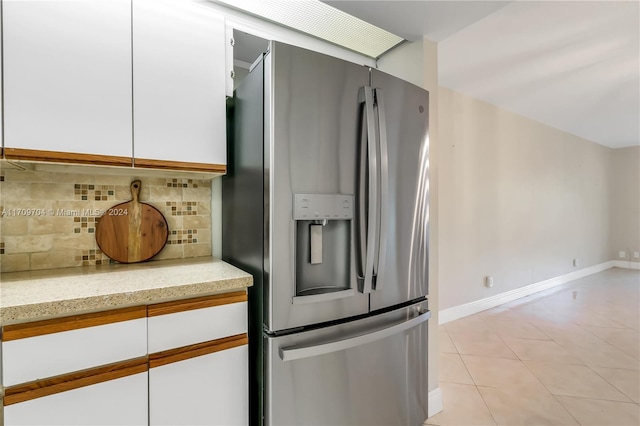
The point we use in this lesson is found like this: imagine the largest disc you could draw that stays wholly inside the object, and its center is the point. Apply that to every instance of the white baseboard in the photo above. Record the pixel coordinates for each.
(626, 264)
(460, 311)
(434, 403)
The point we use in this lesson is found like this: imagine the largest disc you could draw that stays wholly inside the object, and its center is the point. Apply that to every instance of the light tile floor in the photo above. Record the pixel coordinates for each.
(566, 356)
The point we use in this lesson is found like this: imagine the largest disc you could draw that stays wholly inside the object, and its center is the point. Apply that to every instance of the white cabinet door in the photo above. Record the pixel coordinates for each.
(122, 401)
(67, 76)
(1, 93)
(206, 390)
(179, 82)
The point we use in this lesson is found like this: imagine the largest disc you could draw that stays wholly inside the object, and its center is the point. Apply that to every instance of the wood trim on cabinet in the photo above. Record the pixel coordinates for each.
(66, 157)
(44, 387)
(108, 160)
(74, 322)
(196, 303)
(186, 352)
(179, 165)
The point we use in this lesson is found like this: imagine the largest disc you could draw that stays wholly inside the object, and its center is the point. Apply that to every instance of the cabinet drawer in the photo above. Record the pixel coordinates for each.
(187, 322)
(121, 401)
(50, 348)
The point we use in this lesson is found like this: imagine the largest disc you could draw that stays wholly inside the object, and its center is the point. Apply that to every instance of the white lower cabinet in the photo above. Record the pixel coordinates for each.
(177, 363)
(198, 361)
(205, 390)
(121, 401)
(88, 369)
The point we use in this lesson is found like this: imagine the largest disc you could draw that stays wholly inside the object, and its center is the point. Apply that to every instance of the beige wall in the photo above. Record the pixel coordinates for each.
(417, 63)
(511, 197)
(518, 200)
(625, 203)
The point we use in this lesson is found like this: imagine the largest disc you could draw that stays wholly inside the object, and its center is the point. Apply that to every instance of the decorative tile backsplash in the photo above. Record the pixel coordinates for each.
(48, 219)
(86, 192)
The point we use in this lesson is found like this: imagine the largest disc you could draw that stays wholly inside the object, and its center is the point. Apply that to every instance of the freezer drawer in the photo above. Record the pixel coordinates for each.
(368, 372)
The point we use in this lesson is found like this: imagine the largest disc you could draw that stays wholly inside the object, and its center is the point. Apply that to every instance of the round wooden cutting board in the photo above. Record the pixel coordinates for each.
(133, 231)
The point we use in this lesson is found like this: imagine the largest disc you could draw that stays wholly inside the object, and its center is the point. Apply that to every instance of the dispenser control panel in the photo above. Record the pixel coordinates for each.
(322, 207)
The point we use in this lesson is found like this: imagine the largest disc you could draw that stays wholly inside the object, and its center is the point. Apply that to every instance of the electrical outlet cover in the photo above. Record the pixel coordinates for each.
(622, 254)
(488, 281)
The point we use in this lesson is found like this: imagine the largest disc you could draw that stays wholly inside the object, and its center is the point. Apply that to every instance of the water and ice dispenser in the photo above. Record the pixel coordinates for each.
(323, 246)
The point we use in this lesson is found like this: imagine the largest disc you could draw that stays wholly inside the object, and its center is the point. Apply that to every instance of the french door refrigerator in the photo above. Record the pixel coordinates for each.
(326, 203)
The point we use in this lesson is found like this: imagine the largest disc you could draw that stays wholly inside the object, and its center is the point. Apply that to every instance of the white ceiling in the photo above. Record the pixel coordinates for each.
(574, 65)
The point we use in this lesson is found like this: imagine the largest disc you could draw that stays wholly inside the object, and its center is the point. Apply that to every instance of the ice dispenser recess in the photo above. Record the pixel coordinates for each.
(323, 246)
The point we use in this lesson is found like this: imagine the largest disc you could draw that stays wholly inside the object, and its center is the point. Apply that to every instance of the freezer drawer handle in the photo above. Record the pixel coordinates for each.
(299, 352)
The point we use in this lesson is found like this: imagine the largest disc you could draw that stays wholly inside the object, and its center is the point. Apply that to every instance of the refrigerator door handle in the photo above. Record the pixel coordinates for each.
(292, 353)
(384, 190)
(368, 183)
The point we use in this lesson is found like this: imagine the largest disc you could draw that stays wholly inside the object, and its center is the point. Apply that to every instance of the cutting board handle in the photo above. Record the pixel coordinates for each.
(135, 190)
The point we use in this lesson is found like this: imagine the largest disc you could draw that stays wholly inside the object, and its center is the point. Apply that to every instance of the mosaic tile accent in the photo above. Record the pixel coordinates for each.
(181, 183)
(60, 212)
(183, 236)
(1, 248)
(89, 192)
(93, 257)
(182, 208)
(85, 224)
(1, 178)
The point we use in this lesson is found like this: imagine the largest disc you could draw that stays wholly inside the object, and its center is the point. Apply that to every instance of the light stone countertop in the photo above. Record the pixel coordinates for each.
(36, 295)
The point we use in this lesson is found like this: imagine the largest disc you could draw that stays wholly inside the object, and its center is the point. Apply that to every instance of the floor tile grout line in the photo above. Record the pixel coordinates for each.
(467, 370)
(552, 394)
(544, 385)
(478, 388)
(611, 344)
(486, 405)
(475, 385)
(611, 383)
(597, 399)
(604, 343)
(509, 347)
(582, 365)
(572, 348)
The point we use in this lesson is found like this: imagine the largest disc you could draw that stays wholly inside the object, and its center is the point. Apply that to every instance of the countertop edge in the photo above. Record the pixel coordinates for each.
(67, 303)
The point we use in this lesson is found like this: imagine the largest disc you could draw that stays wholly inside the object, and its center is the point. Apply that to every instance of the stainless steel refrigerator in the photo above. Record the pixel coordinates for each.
(326, 203)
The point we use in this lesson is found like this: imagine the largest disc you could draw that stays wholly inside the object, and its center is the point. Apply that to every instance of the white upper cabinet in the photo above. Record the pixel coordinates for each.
(67, 76)
(179, 82)
(1, 89)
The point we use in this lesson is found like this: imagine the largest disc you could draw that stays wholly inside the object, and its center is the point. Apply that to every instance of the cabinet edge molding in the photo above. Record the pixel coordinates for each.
(74, 322)
(179, 166)
(196, 303)
(44, 156)
(66, 382)
(66, 157)
(192, 351)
